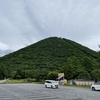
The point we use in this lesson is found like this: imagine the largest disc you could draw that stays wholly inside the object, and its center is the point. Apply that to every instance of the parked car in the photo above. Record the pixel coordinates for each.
(96, 86)
(51, 84)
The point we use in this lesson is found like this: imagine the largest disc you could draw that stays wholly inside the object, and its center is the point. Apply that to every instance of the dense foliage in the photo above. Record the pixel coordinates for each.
(51, 54)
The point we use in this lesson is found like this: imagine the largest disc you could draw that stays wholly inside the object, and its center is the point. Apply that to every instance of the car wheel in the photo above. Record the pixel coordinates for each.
(57, 87)
(93, 89)
(45, 86)
(51, 86)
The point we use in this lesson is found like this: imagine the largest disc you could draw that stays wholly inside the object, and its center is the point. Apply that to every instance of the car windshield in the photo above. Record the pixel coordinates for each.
(98, 83)
(50, 81)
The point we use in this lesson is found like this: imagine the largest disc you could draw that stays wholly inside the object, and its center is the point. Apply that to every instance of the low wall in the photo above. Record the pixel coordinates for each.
(82, 82)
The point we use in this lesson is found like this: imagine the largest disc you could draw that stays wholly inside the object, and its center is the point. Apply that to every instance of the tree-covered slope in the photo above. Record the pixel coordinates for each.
(49, 53)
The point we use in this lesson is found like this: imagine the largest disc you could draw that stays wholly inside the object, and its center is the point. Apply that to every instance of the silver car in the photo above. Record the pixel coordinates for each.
(96, 86)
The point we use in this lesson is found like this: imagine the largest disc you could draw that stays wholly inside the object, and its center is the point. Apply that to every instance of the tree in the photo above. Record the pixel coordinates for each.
(20, 74)
(88, 64)
(52, 75)
(3, 72)
(40, 74)
(96, 74)
(72, 68)
(84, 75)
(98, 59)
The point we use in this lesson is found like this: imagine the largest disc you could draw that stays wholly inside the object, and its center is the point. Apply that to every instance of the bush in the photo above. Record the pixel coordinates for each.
(30, 80)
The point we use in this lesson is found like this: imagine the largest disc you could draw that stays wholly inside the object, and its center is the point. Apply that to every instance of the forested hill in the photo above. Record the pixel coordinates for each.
(51, 53)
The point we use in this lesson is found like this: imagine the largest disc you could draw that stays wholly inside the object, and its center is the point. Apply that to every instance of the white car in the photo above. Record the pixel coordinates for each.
(96, 86)
(51, 84)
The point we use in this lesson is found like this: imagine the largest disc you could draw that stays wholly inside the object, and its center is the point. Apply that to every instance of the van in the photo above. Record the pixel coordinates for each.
(51, 84)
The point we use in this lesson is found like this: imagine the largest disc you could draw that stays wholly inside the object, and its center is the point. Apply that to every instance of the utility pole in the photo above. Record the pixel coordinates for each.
(99, 45)
(99, 55)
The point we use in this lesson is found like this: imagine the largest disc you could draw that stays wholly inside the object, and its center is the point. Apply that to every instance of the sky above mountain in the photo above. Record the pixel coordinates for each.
(24, 22)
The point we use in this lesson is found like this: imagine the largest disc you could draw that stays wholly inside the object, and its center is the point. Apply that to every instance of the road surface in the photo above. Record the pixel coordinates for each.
(39, 92)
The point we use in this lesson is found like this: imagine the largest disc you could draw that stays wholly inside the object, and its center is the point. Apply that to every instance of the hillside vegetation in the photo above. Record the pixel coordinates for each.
(48, 57)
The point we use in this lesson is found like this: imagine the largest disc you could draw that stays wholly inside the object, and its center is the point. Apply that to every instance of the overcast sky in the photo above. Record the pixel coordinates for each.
(24, 22)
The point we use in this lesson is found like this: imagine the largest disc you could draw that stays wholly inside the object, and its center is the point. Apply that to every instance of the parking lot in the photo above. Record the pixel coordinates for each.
(39, 92)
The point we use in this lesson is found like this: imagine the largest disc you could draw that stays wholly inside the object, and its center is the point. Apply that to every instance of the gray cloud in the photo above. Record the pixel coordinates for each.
(23, 22)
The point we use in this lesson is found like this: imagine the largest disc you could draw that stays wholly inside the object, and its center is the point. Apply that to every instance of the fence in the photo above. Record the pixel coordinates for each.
(84, 82)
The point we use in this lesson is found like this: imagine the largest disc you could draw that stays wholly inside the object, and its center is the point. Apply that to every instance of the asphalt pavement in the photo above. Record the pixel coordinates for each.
(39, 92)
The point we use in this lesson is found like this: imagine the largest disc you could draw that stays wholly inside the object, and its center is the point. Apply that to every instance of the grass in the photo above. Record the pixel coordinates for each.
(80, 86)
(16, 81)
(12, 81)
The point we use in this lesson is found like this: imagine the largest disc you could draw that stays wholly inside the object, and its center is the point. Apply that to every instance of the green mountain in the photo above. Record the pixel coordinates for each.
(50, 53)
